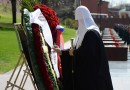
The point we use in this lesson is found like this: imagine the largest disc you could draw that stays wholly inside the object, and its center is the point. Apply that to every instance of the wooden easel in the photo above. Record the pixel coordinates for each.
(22, 61)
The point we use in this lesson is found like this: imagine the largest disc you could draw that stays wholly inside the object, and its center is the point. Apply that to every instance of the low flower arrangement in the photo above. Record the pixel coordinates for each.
(113, 37)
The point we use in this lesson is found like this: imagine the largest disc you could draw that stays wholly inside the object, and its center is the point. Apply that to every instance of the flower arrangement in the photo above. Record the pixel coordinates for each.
(41, 48)
(113, 37)
(53, 22)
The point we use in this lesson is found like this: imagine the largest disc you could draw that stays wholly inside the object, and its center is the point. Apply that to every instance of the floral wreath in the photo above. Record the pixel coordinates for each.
(42, 57)
(51, 18)
(53, 22)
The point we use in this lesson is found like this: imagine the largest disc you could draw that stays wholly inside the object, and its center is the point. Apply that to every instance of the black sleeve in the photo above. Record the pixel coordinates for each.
(66, 62)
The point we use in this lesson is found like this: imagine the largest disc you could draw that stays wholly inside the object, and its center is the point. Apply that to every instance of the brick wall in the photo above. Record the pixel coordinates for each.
(93, 6)
(110, 22)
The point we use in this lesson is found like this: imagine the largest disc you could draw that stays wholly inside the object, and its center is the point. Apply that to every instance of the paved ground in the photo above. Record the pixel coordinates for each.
(5, 77)
(120, 73)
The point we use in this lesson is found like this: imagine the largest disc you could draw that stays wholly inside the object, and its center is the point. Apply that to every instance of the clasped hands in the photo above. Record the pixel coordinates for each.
(59, 51)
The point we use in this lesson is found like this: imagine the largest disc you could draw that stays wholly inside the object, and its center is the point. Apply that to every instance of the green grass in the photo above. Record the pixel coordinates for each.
(68, 33)
(6, 15)
(7, 18)
(9, 51)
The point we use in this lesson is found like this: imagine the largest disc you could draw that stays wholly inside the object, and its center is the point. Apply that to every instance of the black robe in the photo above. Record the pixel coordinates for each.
(91, 69)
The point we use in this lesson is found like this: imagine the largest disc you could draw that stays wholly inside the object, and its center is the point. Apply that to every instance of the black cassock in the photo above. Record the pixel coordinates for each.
(91, 69)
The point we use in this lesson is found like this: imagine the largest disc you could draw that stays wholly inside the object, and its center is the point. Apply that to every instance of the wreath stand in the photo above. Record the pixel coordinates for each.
(13, 83)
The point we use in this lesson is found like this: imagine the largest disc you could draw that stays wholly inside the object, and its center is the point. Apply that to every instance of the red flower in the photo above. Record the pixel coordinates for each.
(51, 18)
(40, 57)
(117, 44)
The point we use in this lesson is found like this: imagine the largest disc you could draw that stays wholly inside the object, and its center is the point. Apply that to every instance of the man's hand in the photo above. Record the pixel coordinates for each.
(57, 49)
(71, 52)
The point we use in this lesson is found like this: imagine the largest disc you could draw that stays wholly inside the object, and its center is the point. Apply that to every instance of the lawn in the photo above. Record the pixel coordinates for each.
(6, 14)
(6, 17)
(9, 51)
(68, 33)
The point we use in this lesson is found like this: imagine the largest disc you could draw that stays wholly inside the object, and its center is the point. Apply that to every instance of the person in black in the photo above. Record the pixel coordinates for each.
(87, 59)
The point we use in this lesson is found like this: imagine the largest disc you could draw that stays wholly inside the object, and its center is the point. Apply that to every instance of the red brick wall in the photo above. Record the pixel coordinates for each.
(94, 8)
(110, 22)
